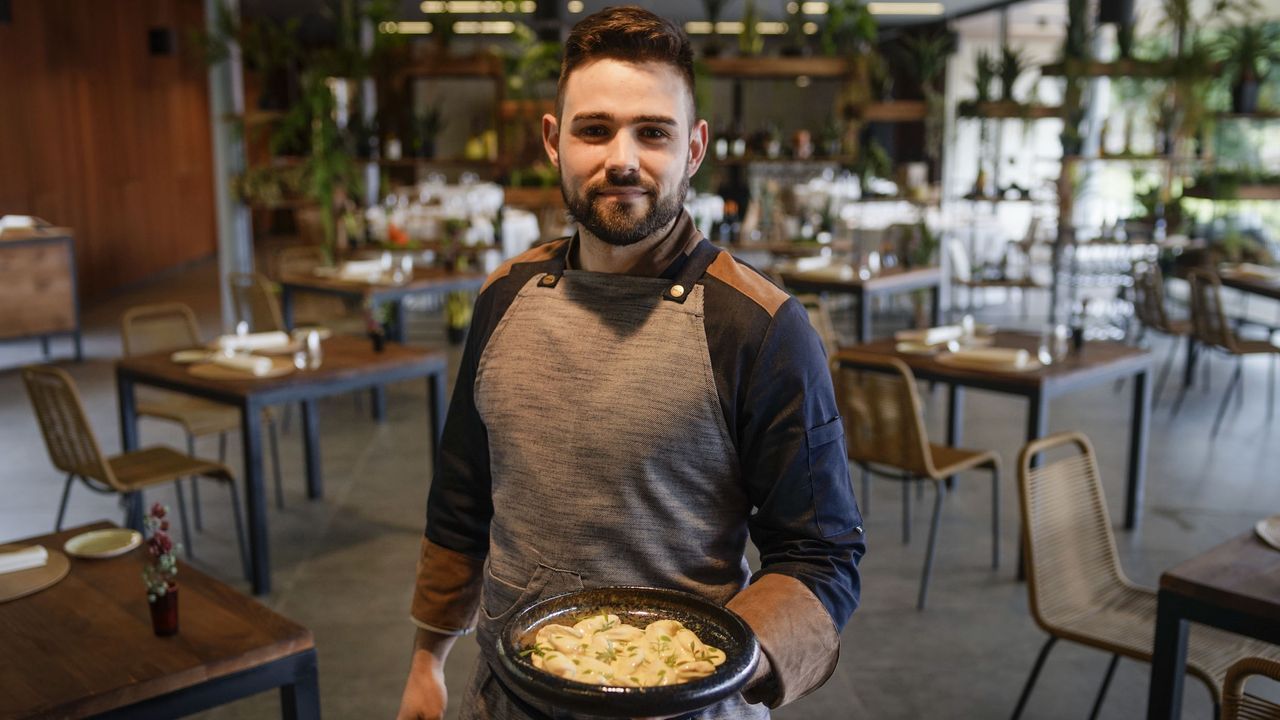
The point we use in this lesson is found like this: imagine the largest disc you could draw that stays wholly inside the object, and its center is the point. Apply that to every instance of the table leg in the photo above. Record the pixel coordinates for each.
(79, 346)
(286, 306)
(1168, 661)
(1037, 423)
(256, 498)
(128, 413)
(436, 407)
(1139, 431)
(44, 346)
(1189, 368)
(955, 420)
(864, 316)
(311, 447)
(378, 402)
(397, 319)
(935, 306)
(301, 698)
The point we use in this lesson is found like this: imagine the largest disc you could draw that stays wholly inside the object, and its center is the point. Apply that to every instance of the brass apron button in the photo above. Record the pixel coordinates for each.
(677, 291)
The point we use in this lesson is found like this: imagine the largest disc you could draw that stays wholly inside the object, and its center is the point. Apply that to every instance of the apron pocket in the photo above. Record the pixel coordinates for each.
(501, 598)
(834, 507)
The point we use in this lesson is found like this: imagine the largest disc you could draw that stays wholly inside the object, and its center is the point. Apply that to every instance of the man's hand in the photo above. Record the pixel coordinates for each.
(425, 696)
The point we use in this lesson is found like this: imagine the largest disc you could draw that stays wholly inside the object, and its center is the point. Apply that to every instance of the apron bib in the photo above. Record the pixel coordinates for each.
(610, 458)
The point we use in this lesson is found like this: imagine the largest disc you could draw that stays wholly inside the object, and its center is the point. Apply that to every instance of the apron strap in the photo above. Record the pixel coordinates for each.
(695, 266)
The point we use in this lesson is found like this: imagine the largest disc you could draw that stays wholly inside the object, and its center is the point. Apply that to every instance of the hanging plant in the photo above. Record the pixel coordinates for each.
(1012, 64)
(928, 54)
(984, 71)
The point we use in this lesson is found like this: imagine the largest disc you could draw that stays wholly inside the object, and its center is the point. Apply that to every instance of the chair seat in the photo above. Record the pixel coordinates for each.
(155, 465)
(1024, 283)
(1125, 624)
(949, 460)
(196, 415)
(1255, 347)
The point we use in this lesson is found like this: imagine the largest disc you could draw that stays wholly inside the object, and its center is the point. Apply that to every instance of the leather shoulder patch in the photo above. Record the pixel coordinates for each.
(541, 253)
(748, 282)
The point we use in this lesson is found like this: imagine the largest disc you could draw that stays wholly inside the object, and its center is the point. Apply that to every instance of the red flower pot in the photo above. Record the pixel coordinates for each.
(164, 612)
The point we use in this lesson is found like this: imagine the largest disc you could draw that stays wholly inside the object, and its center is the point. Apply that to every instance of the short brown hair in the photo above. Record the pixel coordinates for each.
(628, 33)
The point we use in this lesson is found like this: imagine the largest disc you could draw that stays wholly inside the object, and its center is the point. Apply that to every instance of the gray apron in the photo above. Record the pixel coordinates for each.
(610, 458)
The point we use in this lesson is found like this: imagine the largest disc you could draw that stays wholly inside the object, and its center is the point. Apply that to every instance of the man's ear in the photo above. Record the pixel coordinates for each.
(698, 135)
(551, 138)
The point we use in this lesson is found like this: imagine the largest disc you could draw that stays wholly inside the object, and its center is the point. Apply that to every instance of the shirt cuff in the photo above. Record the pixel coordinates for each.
(796, 634)
(446, 597)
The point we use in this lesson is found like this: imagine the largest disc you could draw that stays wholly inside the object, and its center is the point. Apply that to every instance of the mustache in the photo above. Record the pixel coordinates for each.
(620, 180)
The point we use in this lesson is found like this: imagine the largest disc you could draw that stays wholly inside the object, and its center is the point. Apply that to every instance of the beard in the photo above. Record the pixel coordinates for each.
(623, 223)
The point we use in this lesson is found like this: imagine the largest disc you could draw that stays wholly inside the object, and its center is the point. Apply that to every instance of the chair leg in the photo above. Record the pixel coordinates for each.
(235, 512)
(62, 506)
(1226, 399)
(1271, 388)
(941, 489)
(906, 510)
(182, 514)
(995, 516)
(1164, 370)
(222, 448)
(273, 439)
(866, 491)
(1035, 674)
(1106, 683)
(195, 487)
(286, 419)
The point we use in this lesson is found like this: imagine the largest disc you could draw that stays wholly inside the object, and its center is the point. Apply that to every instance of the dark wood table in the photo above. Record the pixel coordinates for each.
(1235, 587)
(426, 281)
(894, 281)
(84, 647)
(1097, 363)
(1251, 284)
(348, 364)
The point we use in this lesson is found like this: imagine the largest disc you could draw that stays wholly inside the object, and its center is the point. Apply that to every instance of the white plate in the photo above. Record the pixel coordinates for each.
(972, 364)
(1269, 530)
(103, 543)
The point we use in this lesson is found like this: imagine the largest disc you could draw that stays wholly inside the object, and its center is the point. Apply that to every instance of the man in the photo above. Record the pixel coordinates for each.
(632, 403)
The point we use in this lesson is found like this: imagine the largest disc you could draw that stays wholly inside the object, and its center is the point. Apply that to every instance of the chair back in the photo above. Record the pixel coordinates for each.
(300, 260)
(1208, 319)
(72, 446)
(1071, 559)
(1148, 297)
(820, 318)
(155, 328)
(1238, 706)
(882, 421)
(254, 301)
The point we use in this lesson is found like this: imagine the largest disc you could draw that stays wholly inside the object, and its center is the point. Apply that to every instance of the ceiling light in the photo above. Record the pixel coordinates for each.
(810, 28)
(405, 28)
(905, 8)
(476, 7)
(771, 28)
(475, 27)
(813, 8)
(802, 81)
(575, 6)
(729, 27)
(528, 6)
(793, 8)
(698, 27)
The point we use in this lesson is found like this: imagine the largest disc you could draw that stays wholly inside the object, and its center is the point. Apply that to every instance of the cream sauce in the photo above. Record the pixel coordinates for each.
(602, 650)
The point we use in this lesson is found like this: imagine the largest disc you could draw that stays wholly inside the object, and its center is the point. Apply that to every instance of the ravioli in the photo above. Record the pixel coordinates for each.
(602, 650)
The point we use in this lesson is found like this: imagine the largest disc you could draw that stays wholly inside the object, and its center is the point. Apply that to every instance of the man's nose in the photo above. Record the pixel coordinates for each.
(623, 154)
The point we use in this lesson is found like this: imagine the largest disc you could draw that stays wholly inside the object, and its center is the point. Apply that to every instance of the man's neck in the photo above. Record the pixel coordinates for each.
(649, 256)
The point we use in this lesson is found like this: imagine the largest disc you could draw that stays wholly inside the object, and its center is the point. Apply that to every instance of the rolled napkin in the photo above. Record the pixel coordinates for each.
(811, 264)
(1015, 357)
(931, 336)
(368, 270)
(253, 341)
(33, 556)
(252, 364)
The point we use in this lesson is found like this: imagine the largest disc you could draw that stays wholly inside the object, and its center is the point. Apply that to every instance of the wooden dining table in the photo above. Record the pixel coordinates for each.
(348, 364)
(845, 279)
(1097, 363)
(425, 281)
(1234, 586)
(84, 647)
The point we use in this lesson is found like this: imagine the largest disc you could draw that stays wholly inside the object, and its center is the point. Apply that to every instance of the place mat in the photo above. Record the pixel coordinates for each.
(971, 363)
(1269, 531)
(25, 582)
(280, 365)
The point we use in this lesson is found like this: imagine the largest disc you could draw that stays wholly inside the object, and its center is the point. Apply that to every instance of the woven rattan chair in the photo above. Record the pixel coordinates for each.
(253, 299)
(1149, 306)
(1076, 587)
(74, 449)
(820, 318)
(172, 326)
(309, 308)
(886, 436)
(1210, 328)
(1236, 705)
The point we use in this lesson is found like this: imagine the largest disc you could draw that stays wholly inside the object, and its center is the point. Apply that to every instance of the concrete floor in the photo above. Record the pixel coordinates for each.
(344, 566)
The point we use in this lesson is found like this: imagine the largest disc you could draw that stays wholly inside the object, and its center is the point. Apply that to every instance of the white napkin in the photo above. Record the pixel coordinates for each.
(994, 356)
(931, 336)
(810, 264)
(252, 364)
(367, 270)
(25, 558)
(253, 341)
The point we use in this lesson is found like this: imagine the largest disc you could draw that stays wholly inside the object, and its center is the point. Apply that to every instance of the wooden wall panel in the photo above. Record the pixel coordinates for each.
(98, 135)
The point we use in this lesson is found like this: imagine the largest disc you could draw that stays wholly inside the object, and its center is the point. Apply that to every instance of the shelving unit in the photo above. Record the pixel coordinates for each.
(1006, 110)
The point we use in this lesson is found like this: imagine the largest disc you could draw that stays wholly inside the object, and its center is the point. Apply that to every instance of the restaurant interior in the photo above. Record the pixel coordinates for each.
(241, 242)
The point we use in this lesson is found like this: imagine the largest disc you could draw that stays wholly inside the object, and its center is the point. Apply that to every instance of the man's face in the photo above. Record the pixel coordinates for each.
(625, 147)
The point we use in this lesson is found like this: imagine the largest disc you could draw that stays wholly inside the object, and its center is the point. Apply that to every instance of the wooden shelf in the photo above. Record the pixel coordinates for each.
(478, 65)
(892, 111)
(1007, 110)
(765, 160)
(512, 109)
(255, 117)
(777, 67)
(1117, 68)
(418, 162)
(1242, 192)
(532, 197)
(1119, 158)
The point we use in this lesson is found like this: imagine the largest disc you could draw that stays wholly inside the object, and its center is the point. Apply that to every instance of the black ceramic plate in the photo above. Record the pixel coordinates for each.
(639, 606)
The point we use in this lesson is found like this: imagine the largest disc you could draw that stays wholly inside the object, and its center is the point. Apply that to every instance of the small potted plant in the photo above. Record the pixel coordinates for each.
(457, 315)
(161, 572)
(376, 318)
(1011, 66)
(1248, 52)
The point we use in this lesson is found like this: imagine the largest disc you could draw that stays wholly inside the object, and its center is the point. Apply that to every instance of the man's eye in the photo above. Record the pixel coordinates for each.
(594, 131)
(654, 133)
